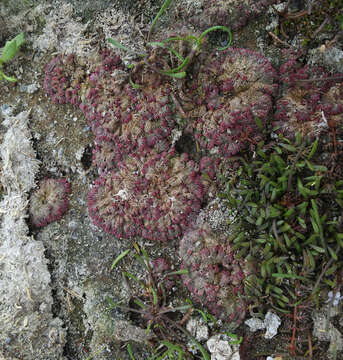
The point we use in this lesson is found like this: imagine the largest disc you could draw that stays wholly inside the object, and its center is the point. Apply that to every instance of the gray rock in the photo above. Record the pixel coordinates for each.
(198, 329)
(324, 330)
(220, 348)
(255, 324)
(330, 58)
(271, 323)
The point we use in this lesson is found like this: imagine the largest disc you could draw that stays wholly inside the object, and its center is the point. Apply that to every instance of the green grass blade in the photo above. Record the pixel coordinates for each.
(235, 340)
(129, 350)
(154, 295)
(8, 78)
(157, 44)
(289, 276)
(288, 147)
(176, 54)
(141, 261)
(133, 277)
(181, 308)
(204, 353)
(20, 39)
(134, 85)
(122, 47)
(118, 258)
(214, 28)
(179, 68)
(313, 149)
(179, 272)
(139, 303)
(333, 254)
(159, 14)
(179, 75)
(111, 303)
(145, 255)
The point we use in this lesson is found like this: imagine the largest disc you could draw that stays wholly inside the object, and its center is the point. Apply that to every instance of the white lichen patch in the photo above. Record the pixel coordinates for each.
(63, 33)
(124, 29)
(25, 293)
(19, 163)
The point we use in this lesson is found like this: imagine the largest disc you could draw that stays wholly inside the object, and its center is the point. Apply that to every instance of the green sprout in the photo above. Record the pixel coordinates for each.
(169, 351)
(8, 53)
(129, 350)
(207, 317)
(235, 340)
(340, 20)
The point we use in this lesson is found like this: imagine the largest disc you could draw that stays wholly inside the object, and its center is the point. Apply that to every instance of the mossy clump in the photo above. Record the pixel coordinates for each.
(286, 214)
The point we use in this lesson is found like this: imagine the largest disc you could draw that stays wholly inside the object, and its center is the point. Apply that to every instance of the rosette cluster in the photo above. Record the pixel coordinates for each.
(49, 202)
(235, 89)
(63, 79)
(311, 100)
(135, 123)
(215, 277)
(145, 188)
(232, 13)
(124, 120)
(155, 196)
